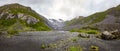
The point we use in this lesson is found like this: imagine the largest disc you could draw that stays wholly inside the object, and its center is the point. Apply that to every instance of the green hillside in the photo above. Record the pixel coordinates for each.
(96, 17)
(15, 17)
(93, 21)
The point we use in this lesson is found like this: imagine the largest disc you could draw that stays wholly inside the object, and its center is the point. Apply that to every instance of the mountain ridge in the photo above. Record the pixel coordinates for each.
(95, 19)
(16, 17)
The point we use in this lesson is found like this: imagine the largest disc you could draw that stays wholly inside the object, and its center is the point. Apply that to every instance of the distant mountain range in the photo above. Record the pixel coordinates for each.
(106, 20)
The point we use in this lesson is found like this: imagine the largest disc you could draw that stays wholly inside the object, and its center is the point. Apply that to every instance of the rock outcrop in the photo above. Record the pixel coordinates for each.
(28, 18)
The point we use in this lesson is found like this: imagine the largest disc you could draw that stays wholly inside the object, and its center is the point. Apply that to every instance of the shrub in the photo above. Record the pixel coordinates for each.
(12, 32)
(43, 46)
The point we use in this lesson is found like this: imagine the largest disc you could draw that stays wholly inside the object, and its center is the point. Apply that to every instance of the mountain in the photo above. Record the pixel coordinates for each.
(57, 24)
(16, 17)
(106, 20)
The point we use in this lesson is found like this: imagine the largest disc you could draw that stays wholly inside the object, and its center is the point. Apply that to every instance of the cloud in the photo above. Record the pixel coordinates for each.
(65, 9)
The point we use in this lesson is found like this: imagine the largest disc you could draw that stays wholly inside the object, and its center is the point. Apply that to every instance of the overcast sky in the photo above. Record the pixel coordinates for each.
(65, 9)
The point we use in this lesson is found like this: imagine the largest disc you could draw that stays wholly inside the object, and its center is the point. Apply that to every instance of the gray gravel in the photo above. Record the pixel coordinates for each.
(32, 41)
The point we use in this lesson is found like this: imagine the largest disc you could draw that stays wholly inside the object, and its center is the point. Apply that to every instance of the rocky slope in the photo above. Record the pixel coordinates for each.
(21, 18)
(106, 20)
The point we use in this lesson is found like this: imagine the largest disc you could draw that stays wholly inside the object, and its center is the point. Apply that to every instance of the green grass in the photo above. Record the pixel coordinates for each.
(40, 26)
(86, 31)
(6, 23)
(88, 27)
(74, 48)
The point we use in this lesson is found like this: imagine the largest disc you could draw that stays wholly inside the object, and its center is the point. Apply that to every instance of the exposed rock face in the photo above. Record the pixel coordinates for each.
(29, 19)
(110, 23)
(20, 15)
(109, 19)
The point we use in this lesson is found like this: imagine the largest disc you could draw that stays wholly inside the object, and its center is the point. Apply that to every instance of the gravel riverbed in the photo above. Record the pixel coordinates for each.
(32, 41)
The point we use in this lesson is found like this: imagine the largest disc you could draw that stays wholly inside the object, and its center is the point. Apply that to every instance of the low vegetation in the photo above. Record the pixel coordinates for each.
(12, 32)
(86, 31)
(88, 27)
(74, 39)
(75, 48)
(43, 46)
(94, 48)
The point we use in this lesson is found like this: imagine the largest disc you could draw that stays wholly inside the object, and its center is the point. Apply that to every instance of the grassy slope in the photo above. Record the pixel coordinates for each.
(95, 18)
(11, 24)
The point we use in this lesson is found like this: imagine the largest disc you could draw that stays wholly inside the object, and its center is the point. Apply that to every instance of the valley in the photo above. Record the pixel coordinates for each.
(23, 29)
(56, 41)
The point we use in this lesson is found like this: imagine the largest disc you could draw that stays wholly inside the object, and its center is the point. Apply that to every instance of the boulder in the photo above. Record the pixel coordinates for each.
(106, 35)
(110, 35)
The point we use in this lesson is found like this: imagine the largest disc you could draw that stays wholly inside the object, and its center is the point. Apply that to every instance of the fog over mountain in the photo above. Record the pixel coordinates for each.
(65, 9)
